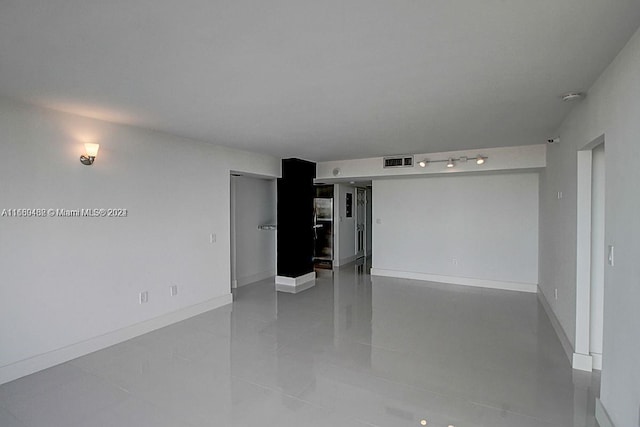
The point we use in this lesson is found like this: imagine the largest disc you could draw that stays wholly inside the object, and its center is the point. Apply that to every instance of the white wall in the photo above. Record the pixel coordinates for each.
(478, 227)
(255, 204)
(64, 282)
(344, 228)
(612, 108)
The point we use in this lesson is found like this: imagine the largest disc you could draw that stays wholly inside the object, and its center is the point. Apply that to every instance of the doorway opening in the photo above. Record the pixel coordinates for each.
(352, 222)
(361, 217)
(253, 229)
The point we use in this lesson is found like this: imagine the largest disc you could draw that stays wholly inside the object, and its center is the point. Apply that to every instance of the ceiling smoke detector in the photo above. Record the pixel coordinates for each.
(572, 96)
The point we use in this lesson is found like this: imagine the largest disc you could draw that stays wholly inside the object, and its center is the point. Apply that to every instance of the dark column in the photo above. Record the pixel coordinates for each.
(295, 223)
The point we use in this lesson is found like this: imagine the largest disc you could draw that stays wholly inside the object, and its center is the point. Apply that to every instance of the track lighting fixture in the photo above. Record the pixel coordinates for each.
(451, 161)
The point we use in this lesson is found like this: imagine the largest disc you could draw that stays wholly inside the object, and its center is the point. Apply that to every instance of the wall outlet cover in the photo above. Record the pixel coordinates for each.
(144, 297)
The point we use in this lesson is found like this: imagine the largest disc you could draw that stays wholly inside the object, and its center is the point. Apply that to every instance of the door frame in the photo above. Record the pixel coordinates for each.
(582, 358)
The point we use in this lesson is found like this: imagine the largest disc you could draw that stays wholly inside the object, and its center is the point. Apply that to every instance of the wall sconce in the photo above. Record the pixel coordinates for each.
(91, 151)
(451, 161)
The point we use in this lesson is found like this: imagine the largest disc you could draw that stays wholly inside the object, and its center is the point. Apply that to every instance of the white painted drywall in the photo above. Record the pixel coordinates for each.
(612, 108)
(68, 280)
(477, 227)
(255, 204)
(345, 228)
(499, 159)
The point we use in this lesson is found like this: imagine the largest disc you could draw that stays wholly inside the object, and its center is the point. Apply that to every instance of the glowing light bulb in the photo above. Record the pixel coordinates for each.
(91, 149)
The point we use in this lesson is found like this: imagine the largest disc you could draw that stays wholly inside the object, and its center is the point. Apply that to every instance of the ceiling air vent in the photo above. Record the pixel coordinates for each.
(398, 162)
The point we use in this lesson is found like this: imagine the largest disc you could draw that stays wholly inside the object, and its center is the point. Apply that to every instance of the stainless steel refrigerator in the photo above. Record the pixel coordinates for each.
(323, 231)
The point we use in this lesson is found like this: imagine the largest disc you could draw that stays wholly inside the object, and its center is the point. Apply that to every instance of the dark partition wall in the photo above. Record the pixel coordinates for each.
(295, 218)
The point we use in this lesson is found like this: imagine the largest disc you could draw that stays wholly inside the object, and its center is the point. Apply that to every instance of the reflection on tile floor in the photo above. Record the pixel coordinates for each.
(352, 351)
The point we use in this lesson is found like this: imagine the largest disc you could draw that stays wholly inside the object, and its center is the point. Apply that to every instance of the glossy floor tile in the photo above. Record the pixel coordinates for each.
(351, 351)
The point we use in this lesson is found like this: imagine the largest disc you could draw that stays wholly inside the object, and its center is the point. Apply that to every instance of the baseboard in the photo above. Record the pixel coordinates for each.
(597, 361)
(602, 416)
(243, 281)
(555, 323)
(582, 362)
(46, 360)
(345, 261)
(294, 285)
(464, 281)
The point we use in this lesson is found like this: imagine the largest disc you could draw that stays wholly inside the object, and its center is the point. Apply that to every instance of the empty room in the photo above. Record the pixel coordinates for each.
(304, 213)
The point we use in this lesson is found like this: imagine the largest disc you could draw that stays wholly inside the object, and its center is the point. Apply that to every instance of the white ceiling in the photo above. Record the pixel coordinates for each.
(321, 80)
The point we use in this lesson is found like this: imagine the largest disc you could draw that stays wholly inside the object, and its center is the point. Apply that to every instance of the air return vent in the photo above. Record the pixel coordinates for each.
(398, 162)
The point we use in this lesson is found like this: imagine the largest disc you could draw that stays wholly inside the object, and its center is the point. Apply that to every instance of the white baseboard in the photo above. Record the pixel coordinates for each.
(61, 355)
(602, 416)
(294, 285)
(597, 361)
(582, 362)
(464, 281)
(562, 336)
(242, 281)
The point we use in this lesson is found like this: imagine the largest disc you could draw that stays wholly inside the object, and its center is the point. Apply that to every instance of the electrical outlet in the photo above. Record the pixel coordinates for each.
(213, 238)
(559, 195)
(173, 289)
(144, 297)
(610, 257)
(555, 293)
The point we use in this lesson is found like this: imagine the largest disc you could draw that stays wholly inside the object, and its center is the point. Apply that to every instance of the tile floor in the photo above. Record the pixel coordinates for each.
(352, 351)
